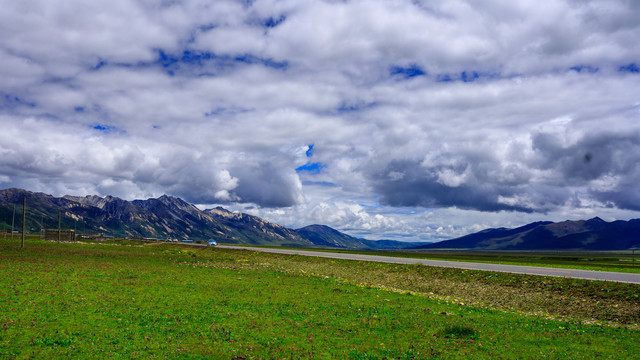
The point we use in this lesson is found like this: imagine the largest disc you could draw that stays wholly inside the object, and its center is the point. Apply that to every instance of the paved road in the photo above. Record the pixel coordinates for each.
(530, 270)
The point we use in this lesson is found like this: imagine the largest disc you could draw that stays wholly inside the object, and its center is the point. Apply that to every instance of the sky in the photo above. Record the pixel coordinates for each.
(404, 120)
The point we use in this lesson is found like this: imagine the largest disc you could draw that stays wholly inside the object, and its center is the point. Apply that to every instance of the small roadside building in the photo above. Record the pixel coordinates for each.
(59, 235)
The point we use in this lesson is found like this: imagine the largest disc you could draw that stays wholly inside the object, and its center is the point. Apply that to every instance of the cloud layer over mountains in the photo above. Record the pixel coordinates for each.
(405, 119)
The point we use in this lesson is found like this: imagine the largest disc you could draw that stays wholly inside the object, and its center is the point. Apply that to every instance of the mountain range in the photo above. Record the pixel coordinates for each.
(592, 234)
(168, 217)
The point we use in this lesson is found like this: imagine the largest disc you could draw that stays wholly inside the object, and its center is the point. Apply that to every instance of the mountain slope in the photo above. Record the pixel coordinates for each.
(592, 234)
(250, 229)
(163, 217)
(170, 217)
(322, 235)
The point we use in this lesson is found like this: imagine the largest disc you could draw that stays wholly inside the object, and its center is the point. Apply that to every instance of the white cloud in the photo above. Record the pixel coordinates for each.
(216, 102)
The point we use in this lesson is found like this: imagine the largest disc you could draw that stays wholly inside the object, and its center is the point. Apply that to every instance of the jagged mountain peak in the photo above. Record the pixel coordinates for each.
(15, 194)
(595, 221)
(169, 216)
(169, 199)
(319, 228)
(174, 202)
(163, 217)
(220, 211)
(94, 200)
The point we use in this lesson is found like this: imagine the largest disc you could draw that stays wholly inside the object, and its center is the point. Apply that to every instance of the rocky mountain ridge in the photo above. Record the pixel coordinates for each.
(165, 217)
(170, 217)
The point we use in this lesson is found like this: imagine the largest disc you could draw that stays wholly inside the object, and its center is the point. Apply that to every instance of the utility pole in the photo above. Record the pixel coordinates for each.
(41, 226)
(24, 219)
(59, 223)
(13, 220)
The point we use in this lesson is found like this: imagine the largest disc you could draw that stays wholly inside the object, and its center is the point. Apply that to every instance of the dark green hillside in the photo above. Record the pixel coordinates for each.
(325, 236)
(593, 234)
(322, 235)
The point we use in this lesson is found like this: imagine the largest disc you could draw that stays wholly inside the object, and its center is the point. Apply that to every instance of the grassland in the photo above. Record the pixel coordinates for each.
(130, 300)
(617, 261)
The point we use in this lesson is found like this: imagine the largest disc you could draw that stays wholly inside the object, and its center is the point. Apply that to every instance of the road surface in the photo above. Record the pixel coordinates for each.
(517, 269)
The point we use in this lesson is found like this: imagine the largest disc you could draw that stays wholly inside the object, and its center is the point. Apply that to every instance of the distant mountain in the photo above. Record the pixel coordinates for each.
(593, 234)
(325, 236)
(249, 229)
(392, 244)
(166, 217)
(170, 217)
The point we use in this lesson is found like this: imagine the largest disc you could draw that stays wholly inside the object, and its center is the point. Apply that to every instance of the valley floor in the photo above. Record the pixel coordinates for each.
(632, 278)
(125, 299)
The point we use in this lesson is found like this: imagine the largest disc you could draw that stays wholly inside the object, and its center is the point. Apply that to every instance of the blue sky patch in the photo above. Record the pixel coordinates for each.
(165, 59)
(103, 128)
(584, 68)
(632, 68)
(99, 65)
(313, 168)
(469, 76)
(407, 72)
(203, 59)
(273, 22)
(465, 76)
(444, 78)
(310, 150)
(401, 211)
(214, 112)
(206, 28)
(13, 101)
(78, 109)
(351, 107)
(196, 57)
(252, 59)
(320, 183)
(227, 111)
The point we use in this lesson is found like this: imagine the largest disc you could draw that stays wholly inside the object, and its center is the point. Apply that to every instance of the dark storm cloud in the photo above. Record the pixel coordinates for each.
(471, 183)
(607, 164)
(417, 185)
(552, 176)
(590, 158)
(624, 196)
(268, 185)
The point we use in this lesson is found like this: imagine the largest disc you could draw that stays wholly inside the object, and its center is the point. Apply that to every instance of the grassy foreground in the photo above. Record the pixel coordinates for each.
(171, 301)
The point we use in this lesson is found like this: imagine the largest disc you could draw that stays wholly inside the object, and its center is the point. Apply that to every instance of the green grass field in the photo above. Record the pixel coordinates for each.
(617, 261)
(155, 301)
